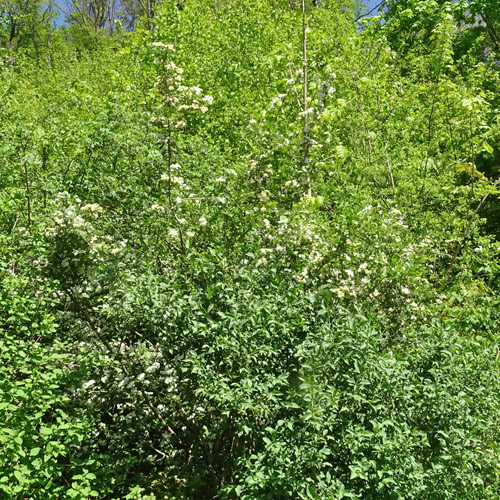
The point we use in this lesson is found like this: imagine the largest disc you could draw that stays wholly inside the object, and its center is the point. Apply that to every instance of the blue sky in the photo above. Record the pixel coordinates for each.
(371, 3)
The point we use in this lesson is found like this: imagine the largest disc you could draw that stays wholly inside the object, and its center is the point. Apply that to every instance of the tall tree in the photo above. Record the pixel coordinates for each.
(132, 10)
(477, 22)
(489, 12)
(95, 14)
(22, 21)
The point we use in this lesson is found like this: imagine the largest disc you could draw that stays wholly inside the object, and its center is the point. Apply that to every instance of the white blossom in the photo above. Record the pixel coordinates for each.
(163, 45)
(153, 367)
(92, 207)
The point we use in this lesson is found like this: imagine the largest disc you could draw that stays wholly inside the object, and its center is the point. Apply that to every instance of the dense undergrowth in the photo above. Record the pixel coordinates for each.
(211, 288)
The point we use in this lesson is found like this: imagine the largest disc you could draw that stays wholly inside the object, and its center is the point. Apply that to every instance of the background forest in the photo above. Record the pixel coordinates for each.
(249, 250)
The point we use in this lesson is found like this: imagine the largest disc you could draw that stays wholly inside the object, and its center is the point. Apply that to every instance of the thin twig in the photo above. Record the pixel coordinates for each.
(369, 12)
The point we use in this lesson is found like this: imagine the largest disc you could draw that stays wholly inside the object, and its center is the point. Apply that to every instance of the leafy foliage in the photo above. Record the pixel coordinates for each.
(251, 253)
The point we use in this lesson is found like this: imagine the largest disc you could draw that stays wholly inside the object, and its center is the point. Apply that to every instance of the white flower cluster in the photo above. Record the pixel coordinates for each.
(164, 46)
(174, 95)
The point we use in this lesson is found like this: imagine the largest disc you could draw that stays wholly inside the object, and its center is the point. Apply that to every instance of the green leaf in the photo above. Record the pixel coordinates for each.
(311, 492)
(34, 452)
